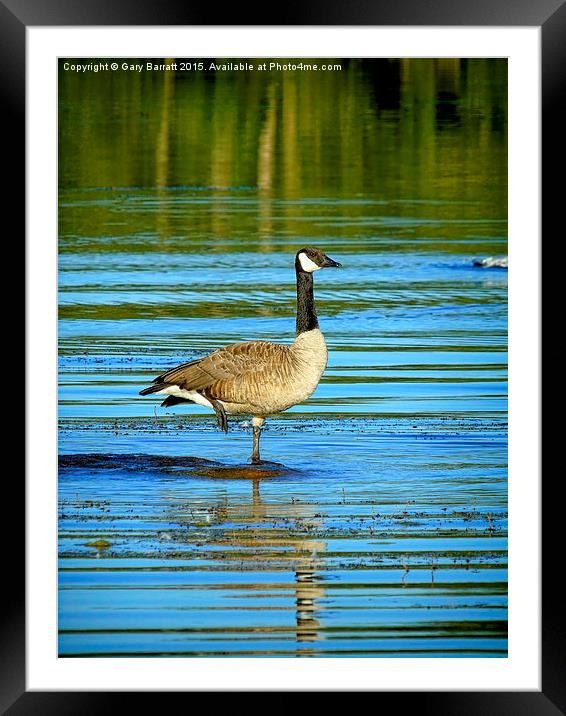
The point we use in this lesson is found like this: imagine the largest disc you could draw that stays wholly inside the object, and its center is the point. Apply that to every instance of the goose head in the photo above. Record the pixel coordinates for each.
(311, 259)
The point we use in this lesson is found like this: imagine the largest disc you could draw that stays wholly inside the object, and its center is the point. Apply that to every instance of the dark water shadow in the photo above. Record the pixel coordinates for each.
(180, 465)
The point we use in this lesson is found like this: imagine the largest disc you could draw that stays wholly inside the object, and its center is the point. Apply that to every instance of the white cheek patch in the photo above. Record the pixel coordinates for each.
(306, 264)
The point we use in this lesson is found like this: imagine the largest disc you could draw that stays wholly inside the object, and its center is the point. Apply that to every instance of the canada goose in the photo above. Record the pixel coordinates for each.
(257, 378)
(492, 262)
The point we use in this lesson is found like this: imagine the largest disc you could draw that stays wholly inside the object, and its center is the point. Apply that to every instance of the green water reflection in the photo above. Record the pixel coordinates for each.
(422, 133)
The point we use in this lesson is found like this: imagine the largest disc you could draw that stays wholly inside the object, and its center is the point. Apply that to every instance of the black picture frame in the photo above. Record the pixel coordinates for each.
(550, 16)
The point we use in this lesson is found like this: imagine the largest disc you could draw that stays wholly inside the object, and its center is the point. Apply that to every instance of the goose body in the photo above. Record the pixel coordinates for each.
(257, 378)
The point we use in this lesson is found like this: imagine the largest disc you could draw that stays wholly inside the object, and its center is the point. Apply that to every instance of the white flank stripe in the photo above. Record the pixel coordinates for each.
(187, 394)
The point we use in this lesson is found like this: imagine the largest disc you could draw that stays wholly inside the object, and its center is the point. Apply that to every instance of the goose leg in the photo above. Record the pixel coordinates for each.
(257, 425)
(221, 418)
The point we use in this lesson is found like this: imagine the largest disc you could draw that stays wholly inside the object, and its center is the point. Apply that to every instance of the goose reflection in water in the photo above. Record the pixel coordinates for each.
(308, 589)
(268, 543)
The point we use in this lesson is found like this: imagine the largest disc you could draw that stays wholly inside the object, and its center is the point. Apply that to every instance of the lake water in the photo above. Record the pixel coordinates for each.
(379, 528)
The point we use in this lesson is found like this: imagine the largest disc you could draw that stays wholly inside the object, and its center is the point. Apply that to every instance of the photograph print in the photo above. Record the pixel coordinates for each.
(282, 337)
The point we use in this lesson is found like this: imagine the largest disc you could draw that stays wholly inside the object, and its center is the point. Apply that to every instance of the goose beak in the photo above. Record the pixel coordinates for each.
(328, 262)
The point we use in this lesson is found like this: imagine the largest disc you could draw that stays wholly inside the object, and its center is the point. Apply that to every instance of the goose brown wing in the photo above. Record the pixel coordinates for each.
(228, 370)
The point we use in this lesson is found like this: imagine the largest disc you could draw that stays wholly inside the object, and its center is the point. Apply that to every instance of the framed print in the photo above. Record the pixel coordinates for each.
(184, 184)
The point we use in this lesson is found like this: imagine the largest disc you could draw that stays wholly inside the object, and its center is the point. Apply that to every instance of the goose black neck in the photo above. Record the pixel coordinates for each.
(306, 314)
